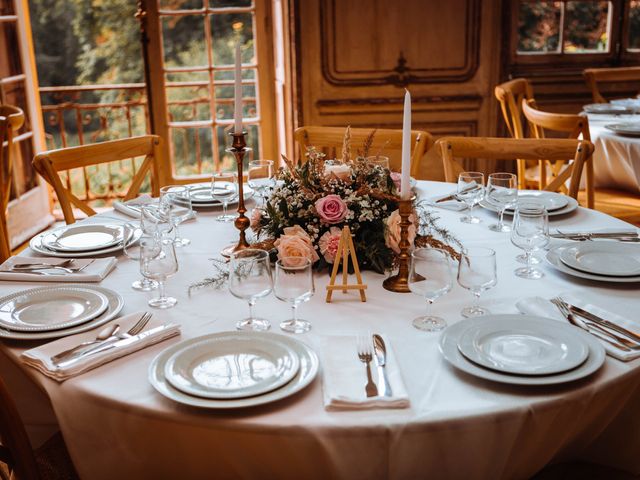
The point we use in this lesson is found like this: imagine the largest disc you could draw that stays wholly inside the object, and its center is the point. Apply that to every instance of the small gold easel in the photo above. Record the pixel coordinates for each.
(345, 247)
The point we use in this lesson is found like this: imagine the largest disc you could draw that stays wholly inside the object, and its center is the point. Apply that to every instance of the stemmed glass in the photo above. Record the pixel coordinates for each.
(430, 277)
(224, 188)
(471, 192)
(477, 272)
(175, 203)
(158, 262)
(294, 285)
(379, 160)
(530, 231)
(260, 177)
(502, 193)
(250, 279)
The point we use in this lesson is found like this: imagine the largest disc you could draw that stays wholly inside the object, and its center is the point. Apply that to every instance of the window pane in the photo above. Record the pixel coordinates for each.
(230, 3)
(188, 103)
(634, 25)
(180, 4)
(183, 41)
(586, 28)
(9, 64)
(192, 150)
(539, 27)
(227, 29)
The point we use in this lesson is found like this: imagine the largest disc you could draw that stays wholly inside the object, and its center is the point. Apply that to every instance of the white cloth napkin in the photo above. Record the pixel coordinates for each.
(544, 308)
(40, 357)
(96, 271)
(453, 204)
(345, 376)
(131, 207)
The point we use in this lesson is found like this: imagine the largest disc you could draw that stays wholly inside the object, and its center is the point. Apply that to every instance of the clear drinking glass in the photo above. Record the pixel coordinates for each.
(132, 251)
(379, 160)
(430, 277)
(224, 188)
(250, 279)
(530, 231)
(175, 204)
(260, 177)
(294, 284)
(477, 272)
(158, 262)
(502, 193)
(471, 192)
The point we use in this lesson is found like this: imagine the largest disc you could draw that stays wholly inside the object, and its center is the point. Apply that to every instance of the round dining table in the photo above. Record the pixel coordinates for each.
(116, 425)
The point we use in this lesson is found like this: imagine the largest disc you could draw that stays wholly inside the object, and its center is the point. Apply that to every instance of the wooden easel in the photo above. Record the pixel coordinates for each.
(345, 247)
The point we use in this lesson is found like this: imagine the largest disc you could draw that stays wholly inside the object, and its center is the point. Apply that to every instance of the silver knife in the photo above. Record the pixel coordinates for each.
(605, 323)
(380, 350)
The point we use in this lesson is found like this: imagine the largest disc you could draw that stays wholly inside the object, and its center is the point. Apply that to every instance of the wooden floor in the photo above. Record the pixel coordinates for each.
(619, 204)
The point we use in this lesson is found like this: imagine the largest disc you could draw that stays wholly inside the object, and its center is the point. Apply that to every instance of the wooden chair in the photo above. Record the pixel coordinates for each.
(329, 141)
(593, 76)
(48, 164)
(576, 126)
(11, 120)
(528, 148)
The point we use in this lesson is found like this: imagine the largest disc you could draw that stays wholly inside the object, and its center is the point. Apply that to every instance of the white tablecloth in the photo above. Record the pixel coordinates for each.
(117, 426)
(616, 158)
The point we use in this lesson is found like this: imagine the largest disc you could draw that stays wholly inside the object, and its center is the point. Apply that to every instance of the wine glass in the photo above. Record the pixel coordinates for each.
(502, 193)
(530, 231)
(430, 277)
(379, 160)
(158, 262)
(477, 272)
(250, 279)
(470, 191)
(132, 251)
(175, 204)
(224, 188)
(294, 284)
(260, 177)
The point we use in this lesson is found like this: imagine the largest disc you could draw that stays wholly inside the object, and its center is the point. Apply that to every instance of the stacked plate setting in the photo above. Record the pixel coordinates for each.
(233, 369)
(58, 311)
(201, 196)
(555, 203)
(598, 260)
(84, 240)
(521, 350)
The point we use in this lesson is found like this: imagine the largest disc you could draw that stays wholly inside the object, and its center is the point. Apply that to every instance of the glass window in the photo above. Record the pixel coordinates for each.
(539, 27)
(634, 26)
(586, 27)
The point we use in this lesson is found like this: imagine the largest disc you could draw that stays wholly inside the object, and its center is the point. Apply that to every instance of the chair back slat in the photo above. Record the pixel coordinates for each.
(593, 76)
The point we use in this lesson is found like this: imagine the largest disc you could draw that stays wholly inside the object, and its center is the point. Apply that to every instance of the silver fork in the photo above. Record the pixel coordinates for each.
(365, 354)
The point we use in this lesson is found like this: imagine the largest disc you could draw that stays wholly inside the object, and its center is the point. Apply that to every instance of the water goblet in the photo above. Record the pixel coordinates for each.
(379, 160)
(175, 204)
(250, 279)
(471, 192)
(132, 251)
(293, 284)
(477, 272)
(224, 188)
(430, 277)
(530, 231)
(260, 177)
(502, 193)
(158, 262)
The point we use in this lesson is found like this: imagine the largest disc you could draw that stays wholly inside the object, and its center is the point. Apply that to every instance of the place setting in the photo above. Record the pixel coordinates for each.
(52, 269)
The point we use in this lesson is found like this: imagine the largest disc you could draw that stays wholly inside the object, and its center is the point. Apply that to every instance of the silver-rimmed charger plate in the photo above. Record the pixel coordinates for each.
(572, 204)
(231, 365)
(84, 237)
(36, 245)
(523, 347)
(631, 129)
(552, 201)
(308, 370)
(603, 258)
(50, 308)
(608, 108)
(201, 195)
(115, 304)
(553, 259)
(449, 349)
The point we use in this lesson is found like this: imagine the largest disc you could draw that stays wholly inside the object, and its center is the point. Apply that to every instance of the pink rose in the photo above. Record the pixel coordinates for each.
(392, 232)
(395, 176)
(331, 209)
(328, 244)
(256, 216)
(295, 243)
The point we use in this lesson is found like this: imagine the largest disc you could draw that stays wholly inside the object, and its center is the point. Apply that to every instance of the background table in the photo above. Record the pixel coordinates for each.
(117, 426)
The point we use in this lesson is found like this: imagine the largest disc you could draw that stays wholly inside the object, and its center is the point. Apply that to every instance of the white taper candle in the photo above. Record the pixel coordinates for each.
(237, 92)
(405, 172)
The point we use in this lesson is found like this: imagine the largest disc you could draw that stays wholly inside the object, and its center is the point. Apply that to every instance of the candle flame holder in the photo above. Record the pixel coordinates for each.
(239, 149)
(399, 282)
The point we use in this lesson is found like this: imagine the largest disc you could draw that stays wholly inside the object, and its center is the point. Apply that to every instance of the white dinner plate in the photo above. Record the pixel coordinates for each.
(84, 237)
(308, 370)
(631, 129)
(552, 201)
(201, 195)
(607, 108)
(627, 102)
(36, 245)
(450, 351)
(115, 304)
(572, 204)
(603, 258)
(231, 365)
(523, 347)
(553, 259)
(50, 308)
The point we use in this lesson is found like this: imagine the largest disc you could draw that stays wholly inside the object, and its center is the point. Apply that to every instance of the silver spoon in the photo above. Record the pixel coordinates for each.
(105, 333)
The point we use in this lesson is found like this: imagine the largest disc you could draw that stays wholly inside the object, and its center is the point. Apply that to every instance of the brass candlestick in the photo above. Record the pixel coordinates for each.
(400, 281)
(239, 149)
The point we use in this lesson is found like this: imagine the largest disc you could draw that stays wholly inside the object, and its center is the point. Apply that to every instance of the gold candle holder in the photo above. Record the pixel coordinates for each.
(400, 282)
(239, 149)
